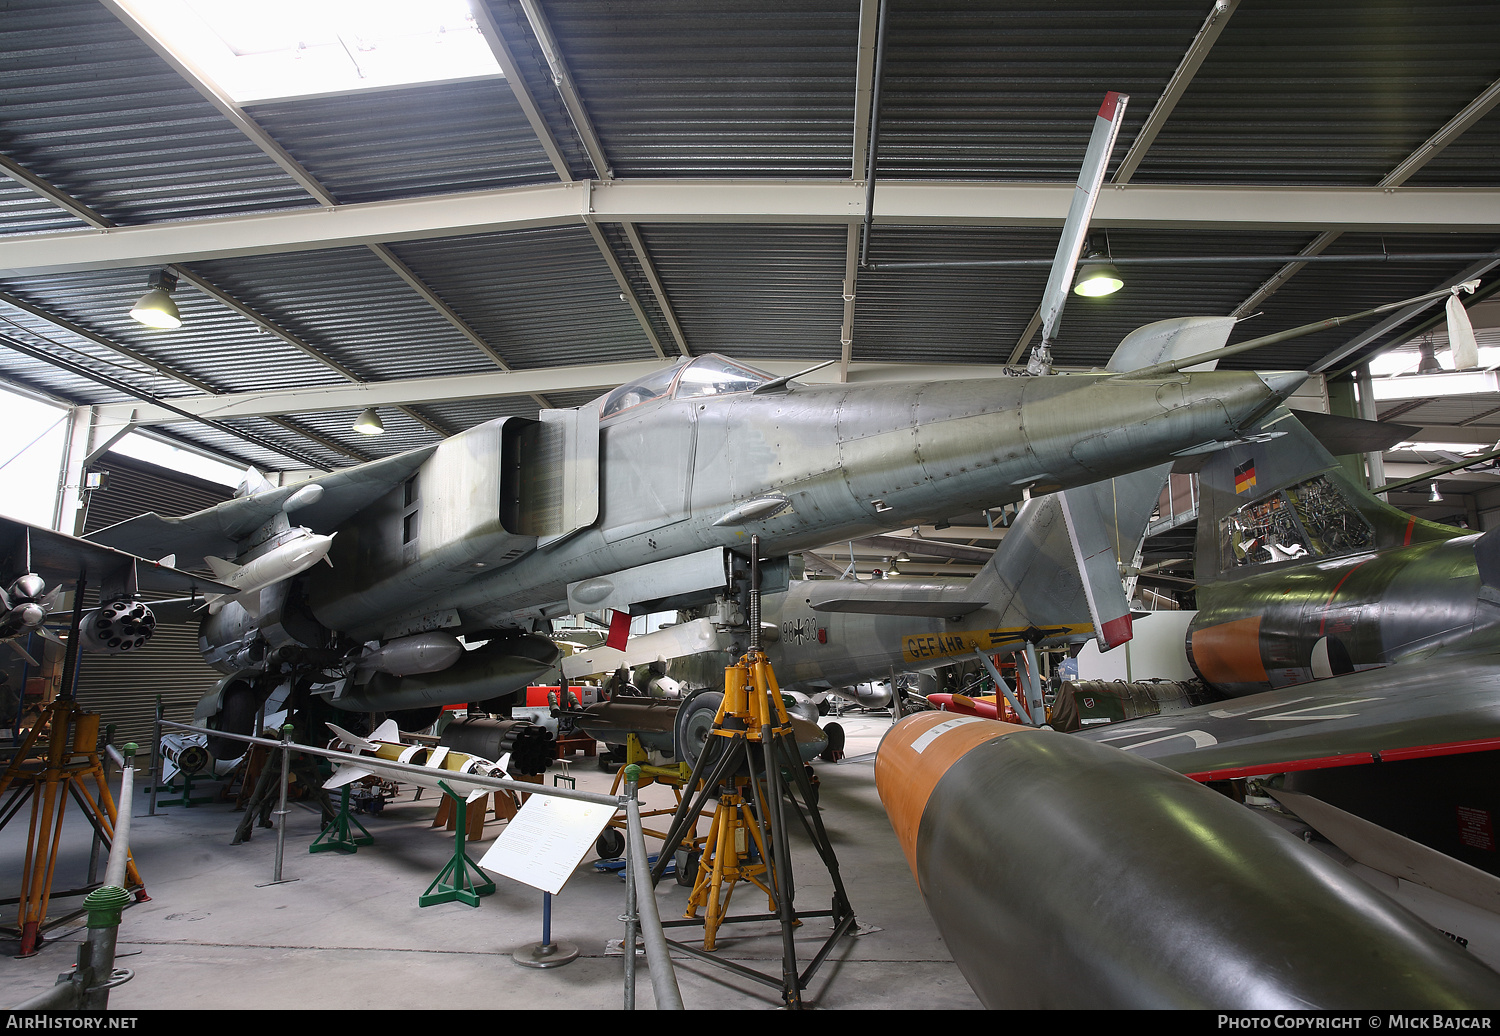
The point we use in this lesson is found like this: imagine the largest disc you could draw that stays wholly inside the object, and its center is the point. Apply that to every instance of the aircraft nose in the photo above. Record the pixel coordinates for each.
(1283, 383)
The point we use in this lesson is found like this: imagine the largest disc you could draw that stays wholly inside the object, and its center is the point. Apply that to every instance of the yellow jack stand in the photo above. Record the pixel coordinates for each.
(748, 840)
(46, 780)
(674, 777)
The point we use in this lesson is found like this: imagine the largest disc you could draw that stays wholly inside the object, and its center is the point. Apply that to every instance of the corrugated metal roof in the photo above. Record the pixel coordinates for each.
(1309, 92)
(89, 107)
(428, 139)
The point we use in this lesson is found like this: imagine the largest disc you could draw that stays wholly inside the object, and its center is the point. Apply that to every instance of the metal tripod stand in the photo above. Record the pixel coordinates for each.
(744, 764)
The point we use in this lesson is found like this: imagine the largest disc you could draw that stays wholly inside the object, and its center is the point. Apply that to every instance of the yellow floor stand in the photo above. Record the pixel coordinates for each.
(71, 767)
(748, 764)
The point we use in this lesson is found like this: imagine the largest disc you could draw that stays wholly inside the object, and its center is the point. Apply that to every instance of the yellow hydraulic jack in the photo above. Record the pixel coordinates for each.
(745, 763)
(736, 849)
(611, 843)
(66, 769)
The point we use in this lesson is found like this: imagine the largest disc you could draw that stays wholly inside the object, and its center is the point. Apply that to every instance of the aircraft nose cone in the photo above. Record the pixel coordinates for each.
(1283, 383)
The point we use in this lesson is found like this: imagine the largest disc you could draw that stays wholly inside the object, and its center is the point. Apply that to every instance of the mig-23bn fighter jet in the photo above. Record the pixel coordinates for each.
(634, 501)
(644, 499)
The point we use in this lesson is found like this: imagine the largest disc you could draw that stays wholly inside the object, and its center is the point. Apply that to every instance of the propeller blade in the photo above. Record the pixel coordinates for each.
(1080, 212)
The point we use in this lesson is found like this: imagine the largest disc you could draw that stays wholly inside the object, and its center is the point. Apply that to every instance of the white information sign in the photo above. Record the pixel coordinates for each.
(546, 841)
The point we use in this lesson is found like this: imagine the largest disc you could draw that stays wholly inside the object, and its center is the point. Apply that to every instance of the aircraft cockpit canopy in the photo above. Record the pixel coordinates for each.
(701, 376)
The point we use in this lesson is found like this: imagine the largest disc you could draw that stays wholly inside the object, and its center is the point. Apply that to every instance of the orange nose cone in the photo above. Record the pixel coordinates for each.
(915, 754)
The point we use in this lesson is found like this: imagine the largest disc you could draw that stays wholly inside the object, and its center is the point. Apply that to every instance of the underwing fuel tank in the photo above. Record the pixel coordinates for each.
(493, 670)
(420, 653)
(1065, 873)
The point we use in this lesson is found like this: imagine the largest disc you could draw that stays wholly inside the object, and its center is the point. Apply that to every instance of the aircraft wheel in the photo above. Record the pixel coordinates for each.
(695, 721)
(835, 750)
(687, 866)
(610, 844)
(236, 716)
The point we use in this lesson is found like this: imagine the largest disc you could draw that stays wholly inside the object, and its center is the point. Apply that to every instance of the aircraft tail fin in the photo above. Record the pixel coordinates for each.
(1063, 552)
(1285, 500)
(353, 740)
(219, 567)
(347, 774)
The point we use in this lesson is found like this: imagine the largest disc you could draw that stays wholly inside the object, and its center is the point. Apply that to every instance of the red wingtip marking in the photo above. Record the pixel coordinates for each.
(1411, 524)
(619, 630)
(1117, 631)
(1107, 109)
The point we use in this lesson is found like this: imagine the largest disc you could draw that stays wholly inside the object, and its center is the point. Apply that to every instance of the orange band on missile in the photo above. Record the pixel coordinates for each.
(914, 756)
(1230, 652)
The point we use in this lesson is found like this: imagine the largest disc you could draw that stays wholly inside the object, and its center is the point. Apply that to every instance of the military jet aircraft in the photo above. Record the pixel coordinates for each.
(1343, 629)
(1055, 579)
(636, 500)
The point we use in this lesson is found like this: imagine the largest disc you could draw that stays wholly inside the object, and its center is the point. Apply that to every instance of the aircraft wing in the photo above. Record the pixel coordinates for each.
(1438, 706)
(215, 530)
(60, 559)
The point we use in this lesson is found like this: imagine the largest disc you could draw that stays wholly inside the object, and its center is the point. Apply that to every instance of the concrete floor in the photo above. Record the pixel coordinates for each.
(347, 932)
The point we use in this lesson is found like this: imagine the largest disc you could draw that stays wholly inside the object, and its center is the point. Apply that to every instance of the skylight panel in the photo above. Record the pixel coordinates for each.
(260, 50)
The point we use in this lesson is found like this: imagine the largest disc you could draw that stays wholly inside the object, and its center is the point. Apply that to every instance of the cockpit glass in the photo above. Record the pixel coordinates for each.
(641, 390)
(710, 375)
(1311, 518)
(713, 375)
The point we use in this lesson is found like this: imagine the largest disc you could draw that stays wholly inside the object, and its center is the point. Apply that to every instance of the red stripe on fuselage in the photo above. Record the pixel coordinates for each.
(1389, 755)
(1324, 620)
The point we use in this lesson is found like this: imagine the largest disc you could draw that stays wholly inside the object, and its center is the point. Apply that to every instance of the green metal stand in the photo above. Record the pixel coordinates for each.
(186, 798)
(461, 869)
(339, 832)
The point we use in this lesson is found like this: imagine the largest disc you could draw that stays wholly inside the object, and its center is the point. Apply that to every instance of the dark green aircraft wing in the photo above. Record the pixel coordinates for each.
(216, 529)
(1438, 706)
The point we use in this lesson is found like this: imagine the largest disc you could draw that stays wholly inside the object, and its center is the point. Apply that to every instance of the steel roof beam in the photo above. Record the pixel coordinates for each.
(594, 148)
(1450, 131)
(257, 134)
(910, 203)
(1218, 17)
(508, 64)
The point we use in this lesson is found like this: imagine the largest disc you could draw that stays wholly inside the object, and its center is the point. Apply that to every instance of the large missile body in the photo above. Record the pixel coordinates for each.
(297, 554)
(1065, 873)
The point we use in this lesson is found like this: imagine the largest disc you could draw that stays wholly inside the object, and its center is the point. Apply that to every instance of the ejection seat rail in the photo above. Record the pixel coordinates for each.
(659, 961)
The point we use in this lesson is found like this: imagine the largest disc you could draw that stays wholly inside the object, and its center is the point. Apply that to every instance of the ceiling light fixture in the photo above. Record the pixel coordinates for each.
(1097, 277)
(1429, 363)
(369, 423)
(1434, 497)
(156, 308)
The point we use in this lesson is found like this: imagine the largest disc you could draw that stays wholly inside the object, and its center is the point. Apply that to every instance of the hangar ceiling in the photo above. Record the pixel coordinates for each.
(672, 178)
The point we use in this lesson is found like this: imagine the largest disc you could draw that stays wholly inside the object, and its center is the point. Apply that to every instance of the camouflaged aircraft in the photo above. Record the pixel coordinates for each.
(646, 500)
(639, 502)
